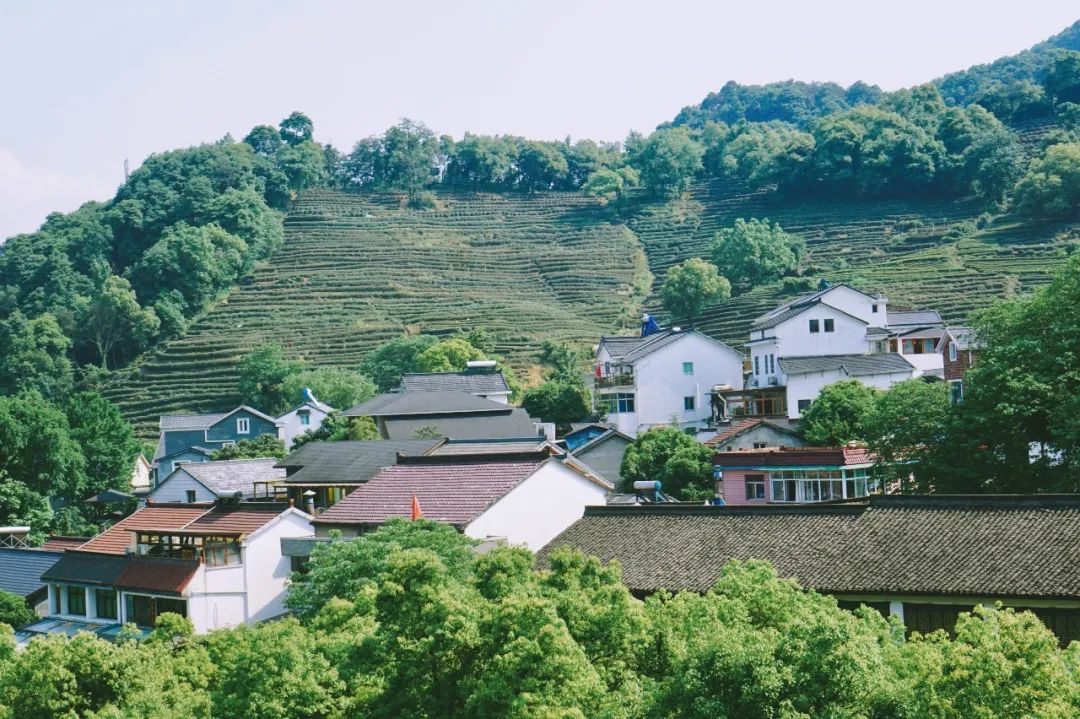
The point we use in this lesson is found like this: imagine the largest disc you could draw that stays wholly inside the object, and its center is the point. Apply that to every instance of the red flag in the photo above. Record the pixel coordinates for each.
(416, 513)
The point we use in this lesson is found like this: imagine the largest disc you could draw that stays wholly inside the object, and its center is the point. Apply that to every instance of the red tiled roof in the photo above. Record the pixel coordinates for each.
(242, 520)
(794, 457)
(117, 538)
(62, 544)
(164, 576)
(742, 426)
(455, 492)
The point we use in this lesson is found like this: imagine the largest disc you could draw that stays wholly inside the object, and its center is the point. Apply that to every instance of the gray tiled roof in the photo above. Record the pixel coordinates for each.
(226, 478)
(853, 365)
(471, 382)
(86, 568)
(912, 317)
(993, 546)
(348, 462)
(796, 306)
(963, 337)
(424, 403)
(513, 422)
(21, 569)
(190, 421)
(629, 349)
(485, 446)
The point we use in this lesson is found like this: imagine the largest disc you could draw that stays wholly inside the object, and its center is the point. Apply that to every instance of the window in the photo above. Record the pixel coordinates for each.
(305, 417)
(106, 603)
(873, 308)
(58, 593)
(689, 403)
(829, 325)
(191, 496)
(804, 404)
(76, 601)
(952, 351)
(222, 553)
(755, 486)
(757, 366)
(956, 391)
(772, 364)
(760, 445)
(688, 368)
(918, 347)
(617, 403)
(813, 326)
(243, 425)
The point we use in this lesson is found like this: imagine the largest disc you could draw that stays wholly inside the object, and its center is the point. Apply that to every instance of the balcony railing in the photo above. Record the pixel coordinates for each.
(615, 380)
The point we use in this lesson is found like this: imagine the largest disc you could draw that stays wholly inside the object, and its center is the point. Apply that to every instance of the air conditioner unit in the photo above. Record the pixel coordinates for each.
(773, 381)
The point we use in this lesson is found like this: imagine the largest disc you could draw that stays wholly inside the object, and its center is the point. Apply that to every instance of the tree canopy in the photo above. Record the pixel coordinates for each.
(691, 287)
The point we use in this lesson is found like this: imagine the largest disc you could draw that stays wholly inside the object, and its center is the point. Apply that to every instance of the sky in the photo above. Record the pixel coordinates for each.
(84, 86)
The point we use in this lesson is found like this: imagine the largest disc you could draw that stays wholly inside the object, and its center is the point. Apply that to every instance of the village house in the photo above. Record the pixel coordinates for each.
(598, 449)
(793, 474)
(922, 559)
(304, 417)
(217, 565)
(194, 437)
(524, 498)
(662, 377)
(198, 482)
(480, 378)
(419, 415)
(960, 350)
(836, 333)
(756, 433)
(20, 573)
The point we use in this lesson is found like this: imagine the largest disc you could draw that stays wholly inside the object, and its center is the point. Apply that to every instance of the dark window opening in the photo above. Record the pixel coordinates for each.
(813, 326)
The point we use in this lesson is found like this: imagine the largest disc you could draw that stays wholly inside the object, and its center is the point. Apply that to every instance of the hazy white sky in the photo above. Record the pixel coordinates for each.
(84, 85)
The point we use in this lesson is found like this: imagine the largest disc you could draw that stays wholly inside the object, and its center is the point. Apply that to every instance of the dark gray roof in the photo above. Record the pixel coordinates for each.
(424, 403)
(852, 365)
(513, 422)
(471, 382)
(348, 462)
(190, 421)
(994, 546)
(86, 568)
(21, 569)
(600, 439)
(487, 447)
(963, 337)
(626, 348)
(226, 478)
(912, 317)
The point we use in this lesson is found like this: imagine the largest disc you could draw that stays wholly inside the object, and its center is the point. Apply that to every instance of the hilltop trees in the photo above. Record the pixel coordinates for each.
(114, 321)
(755, 252)
(691, 287)
(273, 383)
(386, 363)
(1051, 187)
(668, 161)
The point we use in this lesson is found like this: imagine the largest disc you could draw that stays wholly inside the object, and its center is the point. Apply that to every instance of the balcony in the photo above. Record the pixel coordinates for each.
(615, 380)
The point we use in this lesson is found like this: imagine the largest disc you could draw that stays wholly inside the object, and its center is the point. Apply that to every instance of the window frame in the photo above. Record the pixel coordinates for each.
(815, 327)
(829, 325)
(243, 425)
(76, 591)
(756, 481)
(953, 353)
(305, 417)
(803, 404)
(688, 369)
(689, 403)
(114, 603)
(191, 496)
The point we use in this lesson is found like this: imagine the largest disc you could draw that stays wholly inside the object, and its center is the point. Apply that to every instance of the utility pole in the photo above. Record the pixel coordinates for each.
(126, 173)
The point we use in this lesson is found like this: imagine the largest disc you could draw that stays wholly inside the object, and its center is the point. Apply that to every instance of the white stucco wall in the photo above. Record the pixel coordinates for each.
(661, 384)
(857, 304)
(290, 423)
(538, 509)
(794, 339)
(929, 363)
(808, 386)
(267, 569)
(175, 487)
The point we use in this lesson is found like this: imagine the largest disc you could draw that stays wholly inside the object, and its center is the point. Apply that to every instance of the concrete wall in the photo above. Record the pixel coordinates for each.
(794, 338)
(538, 509)
(267, 569)
(174, 488)
(291, 427)
(606, 457)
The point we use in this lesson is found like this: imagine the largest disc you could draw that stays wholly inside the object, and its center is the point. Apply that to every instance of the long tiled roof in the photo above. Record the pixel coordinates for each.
(744, 426)
(631, 348)
(977, 546)
(796, 306)
(226, 478)
(87, 568)
(348, 462)
(21, 569)
(243, 519)
(395, 404)
(448, 490)
(488, 447)
(852, 365)
(159, 575)
(471, 382)
(912, 317)
(512, 423)
(190, 421)
(794, 457)
(963, 337)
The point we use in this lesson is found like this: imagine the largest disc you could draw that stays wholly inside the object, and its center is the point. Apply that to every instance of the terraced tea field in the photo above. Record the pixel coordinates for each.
(925, 254)
(356, 270)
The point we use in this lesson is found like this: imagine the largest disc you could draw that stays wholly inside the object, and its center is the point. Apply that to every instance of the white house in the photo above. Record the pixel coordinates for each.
(835, 333)
(308, 415)
(525, 499)
(662, 378)
(218, 566)
(223, 479)
(140, 475)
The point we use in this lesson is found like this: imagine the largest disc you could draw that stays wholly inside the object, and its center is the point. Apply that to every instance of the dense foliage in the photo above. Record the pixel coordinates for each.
(265, 445)
(678, 461)
(408, 622)
(691, 287)
(273, 383)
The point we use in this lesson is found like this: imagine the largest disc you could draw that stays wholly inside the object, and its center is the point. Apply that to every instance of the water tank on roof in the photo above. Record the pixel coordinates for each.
(480, 366)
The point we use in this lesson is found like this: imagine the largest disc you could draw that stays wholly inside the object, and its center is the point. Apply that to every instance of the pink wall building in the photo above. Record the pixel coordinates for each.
(793, 474)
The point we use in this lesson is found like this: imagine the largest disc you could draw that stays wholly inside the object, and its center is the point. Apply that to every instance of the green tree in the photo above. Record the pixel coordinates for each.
(21, 506)
(450, 355)
(1062, 79)
(265, 445)
(754, 253)
(297, 128)
(115, 324)
(681, 463)
(668, 161)
(691, 287)
(564, 361)
(559, 400)
(906, 424)
(263, 375)
(1051, 187)
(198, 262)
(339, 388)
(14, 611)
(840, 413)
(34, 357)
(106, 439)
(37, 450)
(387, 363)
(265, 140)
